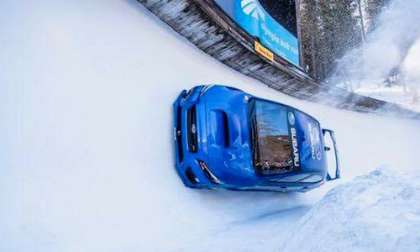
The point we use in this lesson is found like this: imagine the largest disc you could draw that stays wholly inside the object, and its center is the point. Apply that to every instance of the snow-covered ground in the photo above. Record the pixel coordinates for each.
(375, 212)
(86, 158)
(395, 94)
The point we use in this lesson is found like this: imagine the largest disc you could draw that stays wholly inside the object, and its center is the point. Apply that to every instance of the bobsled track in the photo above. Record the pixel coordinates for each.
(205, 25)
(86, 155)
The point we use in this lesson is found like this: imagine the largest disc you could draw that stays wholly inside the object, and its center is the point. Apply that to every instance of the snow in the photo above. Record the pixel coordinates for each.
(394, 46)
(395, 94)
(411, 65)
(86, 157)
(375, 212)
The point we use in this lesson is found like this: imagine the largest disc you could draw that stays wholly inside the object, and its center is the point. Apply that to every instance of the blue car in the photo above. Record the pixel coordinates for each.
(228, 139)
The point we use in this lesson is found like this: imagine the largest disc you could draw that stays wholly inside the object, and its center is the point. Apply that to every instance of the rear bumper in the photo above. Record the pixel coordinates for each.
(189, 132)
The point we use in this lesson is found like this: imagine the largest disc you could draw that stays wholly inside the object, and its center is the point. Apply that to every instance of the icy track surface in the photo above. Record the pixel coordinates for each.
(376, 212)
(86, 158)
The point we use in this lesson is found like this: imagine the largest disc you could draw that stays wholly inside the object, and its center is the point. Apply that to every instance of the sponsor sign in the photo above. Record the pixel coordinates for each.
(256, 21)
(261, 50)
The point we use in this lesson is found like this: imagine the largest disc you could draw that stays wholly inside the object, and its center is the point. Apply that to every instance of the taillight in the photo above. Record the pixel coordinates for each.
(208, 173)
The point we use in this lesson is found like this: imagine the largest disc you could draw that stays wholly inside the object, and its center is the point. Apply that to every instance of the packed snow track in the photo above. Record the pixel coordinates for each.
(86, 155)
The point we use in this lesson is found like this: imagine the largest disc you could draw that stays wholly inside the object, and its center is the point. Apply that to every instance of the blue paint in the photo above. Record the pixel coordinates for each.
(223, 157)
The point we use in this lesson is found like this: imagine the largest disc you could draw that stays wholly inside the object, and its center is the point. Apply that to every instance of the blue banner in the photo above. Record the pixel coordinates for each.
(254, 19)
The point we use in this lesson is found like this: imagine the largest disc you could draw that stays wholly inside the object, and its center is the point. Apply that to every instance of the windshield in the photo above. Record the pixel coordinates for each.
(272, 146)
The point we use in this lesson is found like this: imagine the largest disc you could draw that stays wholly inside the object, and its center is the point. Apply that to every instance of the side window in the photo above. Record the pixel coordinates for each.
(284, 12)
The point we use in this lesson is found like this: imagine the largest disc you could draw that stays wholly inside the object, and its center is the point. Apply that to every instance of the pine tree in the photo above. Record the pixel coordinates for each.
(309, 40)
(373, 9)
(329, 29)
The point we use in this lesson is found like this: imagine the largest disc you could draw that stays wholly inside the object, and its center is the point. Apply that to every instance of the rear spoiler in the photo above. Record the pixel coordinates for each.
(337, 160)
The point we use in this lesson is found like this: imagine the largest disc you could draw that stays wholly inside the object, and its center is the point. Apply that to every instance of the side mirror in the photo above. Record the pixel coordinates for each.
(337, 175)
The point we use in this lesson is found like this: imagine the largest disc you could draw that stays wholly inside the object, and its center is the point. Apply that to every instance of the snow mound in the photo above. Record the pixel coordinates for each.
(376, 212)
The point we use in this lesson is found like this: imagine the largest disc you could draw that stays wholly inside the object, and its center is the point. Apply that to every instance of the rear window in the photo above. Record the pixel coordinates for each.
(271, 139)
